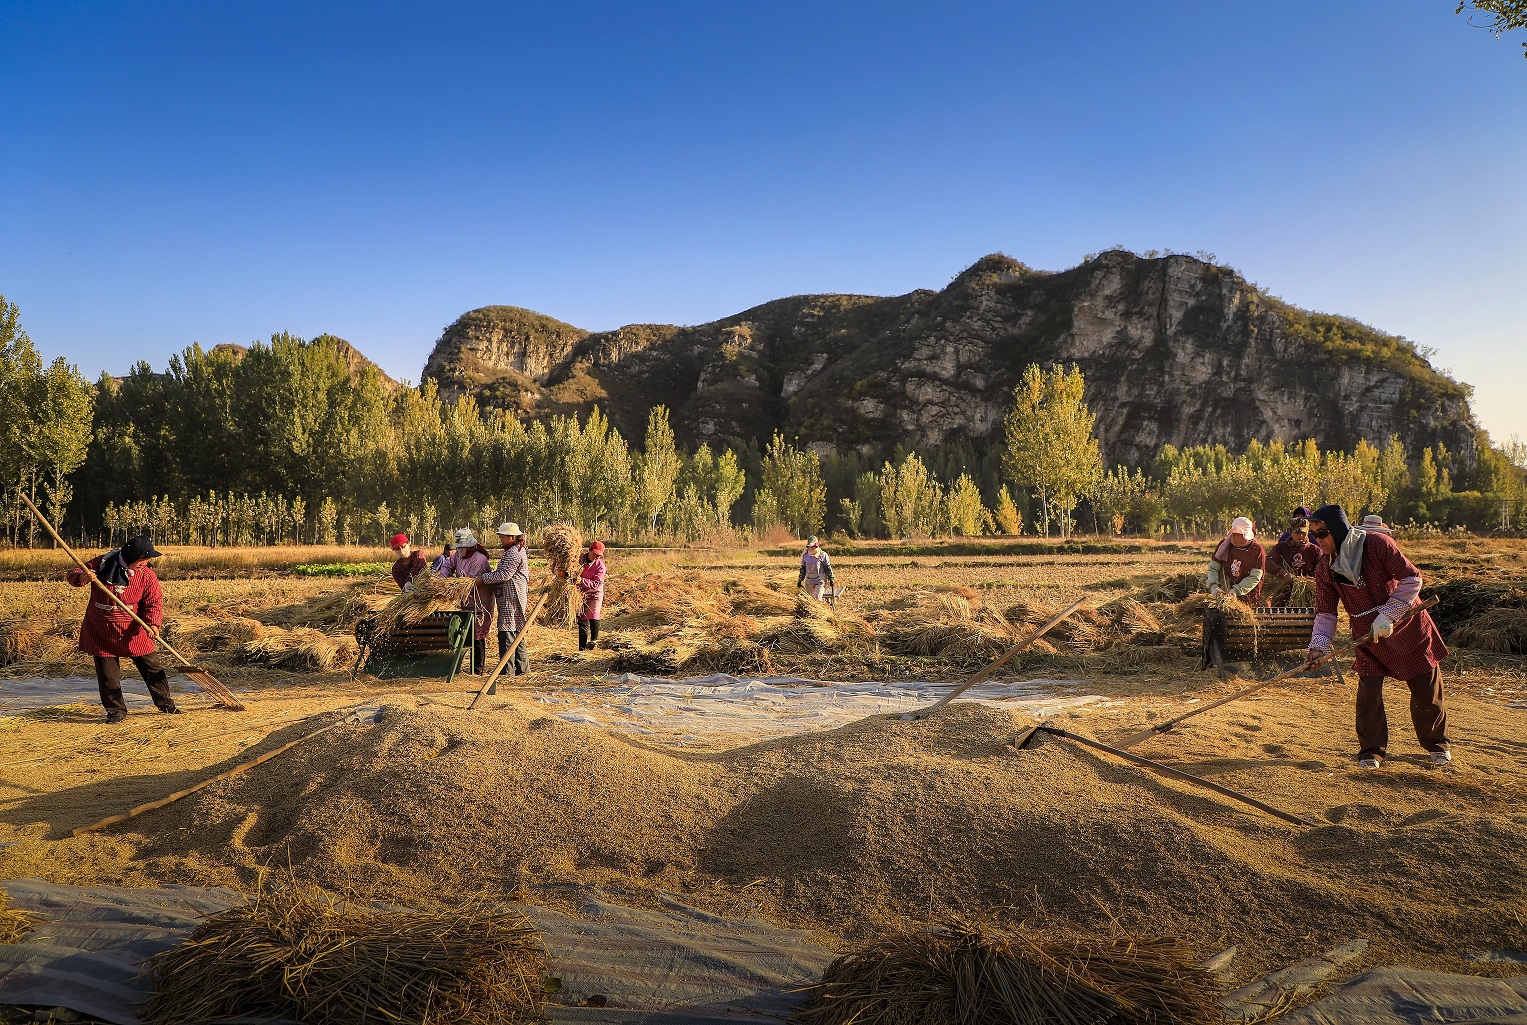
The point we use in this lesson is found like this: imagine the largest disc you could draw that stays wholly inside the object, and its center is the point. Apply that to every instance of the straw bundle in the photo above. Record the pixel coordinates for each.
(14, 922)
(1289, 592)
(298, 955)
(801, 637)
(649, 660)
(654, 599)
(564, 602)
(340, 609)
(754, 599)
(302, 650)
(738, 658)
(1173, 588)
(1501, 630)
(963, 974)
(431, 594)
(19, 641)
(229, 633)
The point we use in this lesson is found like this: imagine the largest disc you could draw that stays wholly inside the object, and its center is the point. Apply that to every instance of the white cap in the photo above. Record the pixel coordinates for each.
(510, 528)
(1242, 525)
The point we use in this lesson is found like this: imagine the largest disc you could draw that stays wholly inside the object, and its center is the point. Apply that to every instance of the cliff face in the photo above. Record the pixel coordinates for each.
(1174, 350)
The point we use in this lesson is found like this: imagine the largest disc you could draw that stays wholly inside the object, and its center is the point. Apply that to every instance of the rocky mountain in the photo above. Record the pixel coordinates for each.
(1174, 349)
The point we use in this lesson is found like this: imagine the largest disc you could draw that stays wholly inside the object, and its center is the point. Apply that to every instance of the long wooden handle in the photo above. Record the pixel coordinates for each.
(97, 583)
(1162, 727)
(535, 611)
(132, 813)
(1001, 661)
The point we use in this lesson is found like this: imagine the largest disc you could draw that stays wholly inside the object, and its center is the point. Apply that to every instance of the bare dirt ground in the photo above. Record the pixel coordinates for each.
(876, 823)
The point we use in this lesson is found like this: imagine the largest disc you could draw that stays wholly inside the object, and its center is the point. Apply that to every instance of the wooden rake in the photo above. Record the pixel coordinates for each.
(205, 680)
(490, 685)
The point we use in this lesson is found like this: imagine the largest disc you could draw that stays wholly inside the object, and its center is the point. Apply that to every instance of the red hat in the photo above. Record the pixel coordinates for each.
(398, 541)
(597, 548)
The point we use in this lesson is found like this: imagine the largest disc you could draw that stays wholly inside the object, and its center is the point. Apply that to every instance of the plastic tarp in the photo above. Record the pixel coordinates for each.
(675, 965)
(32, 694)
(1411, 996)
(759, 707)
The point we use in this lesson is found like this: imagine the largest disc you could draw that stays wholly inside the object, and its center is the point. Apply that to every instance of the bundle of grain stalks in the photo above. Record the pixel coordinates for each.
(1289, 592)
(949, 626)
(755, 599)
(1173, 588)
(1501, 630)
(302, 650)
(563, 544)
(20, 640)
(654, 599)
(734, 657)
(227, 634)
(299, 955)
(339, 609)
(960, 973)
(14, 922)
(650, 660)
(431, 594)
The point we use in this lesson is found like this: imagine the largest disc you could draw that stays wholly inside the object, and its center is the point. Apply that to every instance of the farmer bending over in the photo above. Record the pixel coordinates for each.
(1377, 585)
(816, 569)
(109, 633)
(1237, 564)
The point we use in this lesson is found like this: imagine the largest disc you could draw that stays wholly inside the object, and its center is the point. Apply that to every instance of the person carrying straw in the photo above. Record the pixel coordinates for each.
(591, 585)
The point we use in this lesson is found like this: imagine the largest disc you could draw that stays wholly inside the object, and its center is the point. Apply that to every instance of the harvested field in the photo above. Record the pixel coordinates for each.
(877, 825)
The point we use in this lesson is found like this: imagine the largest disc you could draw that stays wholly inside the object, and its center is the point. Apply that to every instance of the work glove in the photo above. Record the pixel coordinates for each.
(408, 586)
(1214, 590)
(1383, 626)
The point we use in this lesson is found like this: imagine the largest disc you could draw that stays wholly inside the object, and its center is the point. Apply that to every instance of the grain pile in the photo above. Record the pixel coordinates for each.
(296, 954)
(846, 830)
(964, 973)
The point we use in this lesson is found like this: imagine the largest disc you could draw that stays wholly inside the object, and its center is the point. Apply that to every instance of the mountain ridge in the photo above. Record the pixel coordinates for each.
(1175, 349)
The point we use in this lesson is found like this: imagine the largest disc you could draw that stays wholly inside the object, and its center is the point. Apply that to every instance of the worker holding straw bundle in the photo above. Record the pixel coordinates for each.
(1365, 571)
(1295, 555)
(591, 586)
(109, 634)
(470, 559)
(511, 586)
(410, 563)
(1237, 565)
(816, 569)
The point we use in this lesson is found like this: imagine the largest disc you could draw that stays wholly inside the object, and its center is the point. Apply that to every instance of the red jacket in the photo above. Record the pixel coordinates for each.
(107, 630)
(1415, 646)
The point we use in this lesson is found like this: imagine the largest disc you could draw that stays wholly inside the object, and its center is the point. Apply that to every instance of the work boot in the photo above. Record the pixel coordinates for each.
(115, 716)
(170, 709)
(1368, 763)
(1443, 757)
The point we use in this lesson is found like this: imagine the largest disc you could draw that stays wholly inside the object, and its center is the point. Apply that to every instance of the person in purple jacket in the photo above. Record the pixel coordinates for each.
(1377, 585)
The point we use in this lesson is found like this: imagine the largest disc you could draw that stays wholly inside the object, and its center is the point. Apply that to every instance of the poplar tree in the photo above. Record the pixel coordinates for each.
(1050, 446)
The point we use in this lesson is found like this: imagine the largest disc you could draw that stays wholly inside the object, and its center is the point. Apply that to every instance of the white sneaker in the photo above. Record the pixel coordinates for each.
(1368, 763)
(1442, 757)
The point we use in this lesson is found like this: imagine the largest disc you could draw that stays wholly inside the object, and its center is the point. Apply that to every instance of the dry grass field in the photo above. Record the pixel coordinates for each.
(876, 823)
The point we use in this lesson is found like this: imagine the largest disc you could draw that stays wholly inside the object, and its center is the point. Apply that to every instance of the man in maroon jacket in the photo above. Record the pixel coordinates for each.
(1365, 571)
(1294, 555)
(108, 633)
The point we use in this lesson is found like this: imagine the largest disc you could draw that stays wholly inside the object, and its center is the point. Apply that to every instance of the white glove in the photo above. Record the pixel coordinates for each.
(1383, 626)
(1214, 590)
(408, 586)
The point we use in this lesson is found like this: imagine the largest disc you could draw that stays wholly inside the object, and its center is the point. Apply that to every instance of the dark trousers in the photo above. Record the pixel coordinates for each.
(521, 664)
(588, 633)
(1428, 713)
(108, 674)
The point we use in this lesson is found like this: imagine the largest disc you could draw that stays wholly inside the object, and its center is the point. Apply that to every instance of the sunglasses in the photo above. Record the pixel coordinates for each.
(1320, 533)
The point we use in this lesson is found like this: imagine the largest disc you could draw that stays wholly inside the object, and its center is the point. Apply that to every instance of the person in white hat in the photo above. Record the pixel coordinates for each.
(511, 584)
(816, 569)
(470, 559)
(1237, 565)
(1374, 524)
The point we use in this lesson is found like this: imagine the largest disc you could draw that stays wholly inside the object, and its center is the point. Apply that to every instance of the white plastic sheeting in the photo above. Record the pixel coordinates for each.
(694, 709)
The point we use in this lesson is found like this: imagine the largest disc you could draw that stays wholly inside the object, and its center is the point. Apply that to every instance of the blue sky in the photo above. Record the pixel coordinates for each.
(217, 172)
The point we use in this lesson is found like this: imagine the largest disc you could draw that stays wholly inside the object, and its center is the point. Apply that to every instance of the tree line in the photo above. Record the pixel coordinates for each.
(286, 442)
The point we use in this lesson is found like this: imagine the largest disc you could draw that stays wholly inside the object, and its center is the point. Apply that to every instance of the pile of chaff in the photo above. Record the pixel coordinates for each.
(297, 954)
(961, 973)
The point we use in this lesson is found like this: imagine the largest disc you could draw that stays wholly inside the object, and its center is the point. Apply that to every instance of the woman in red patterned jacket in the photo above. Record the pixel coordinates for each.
(1377, 585)
(109, 634)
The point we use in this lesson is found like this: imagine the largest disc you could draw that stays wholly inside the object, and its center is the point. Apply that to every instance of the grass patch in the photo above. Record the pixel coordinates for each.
(336, 569)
